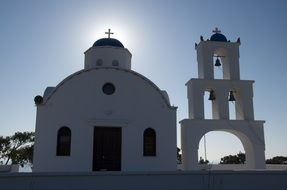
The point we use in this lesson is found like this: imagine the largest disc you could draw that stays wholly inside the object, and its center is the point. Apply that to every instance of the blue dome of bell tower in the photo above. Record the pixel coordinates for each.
(218, 36)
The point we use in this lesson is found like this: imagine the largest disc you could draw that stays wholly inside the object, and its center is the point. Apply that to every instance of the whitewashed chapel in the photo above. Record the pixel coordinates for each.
(108, 117)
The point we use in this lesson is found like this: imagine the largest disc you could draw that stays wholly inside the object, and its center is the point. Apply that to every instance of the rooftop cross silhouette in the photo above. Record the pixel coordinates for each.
(109, 33)
(216, 30)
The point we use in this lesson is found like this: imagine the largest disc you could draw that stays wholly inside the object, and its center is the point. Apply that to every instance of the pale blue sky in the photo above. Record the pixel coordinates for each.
(42, 42)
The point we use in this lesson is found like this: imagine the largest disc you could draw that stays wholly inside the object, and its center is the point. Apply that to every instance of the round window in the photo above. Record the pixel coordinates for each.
(109, 88)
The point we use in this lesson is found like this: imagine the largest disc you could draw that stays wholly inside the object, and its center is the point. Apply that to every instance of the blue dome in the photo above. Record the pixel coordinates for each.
(218, 37)
(108, 42)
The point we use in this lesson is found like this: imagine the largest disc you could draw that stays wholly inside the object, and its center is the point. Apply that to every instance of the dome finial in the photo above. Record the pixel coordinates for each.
(109, 33)
(216, 31)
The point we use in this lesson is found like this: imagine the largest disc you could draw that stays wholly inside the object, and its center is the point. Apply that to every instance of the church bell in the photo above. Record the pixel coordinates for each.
(217, 63)
(231, 97)
(211, 95)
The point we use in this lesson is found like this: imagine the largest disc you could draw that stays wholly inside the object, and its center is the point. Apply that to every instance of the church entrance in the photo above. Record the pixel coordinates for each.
(107, 149)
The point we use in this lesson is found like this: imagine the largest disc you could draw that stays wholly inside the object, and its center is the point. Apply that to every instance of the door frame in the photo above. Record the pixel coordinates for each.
(116, 133)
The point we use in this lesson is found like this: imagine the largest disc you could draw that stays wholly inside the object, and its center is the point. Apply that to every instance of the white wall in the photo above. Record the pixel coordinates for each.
(107, 54)
(79, 103)
(199, 180)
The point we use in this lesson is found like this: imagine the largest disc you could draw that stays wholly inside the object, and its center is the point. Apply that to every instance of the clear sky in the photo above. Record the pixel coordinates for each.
(42, 42)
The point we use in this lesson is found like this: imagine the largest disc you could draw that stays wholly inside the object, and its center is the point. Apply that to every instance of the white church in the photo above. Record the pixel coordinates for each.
(108, 117)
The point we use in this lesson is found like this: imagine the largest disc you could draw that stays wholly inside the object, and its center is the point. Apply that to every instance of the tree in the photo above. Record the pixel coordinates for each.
(233, 159)
(277, 160)
(17, 149)
(202, 161)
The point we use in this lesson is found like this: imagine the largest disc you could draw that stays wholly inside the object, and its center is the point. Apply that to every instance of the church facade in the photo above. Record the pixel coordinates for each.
(108, 117)
(105, 117)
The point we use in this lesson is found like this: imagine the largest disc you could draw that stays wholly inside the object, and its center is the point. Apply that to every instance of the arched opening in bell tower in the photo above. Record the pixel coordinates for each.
(232, 110)
(220, 64)
(208, 109)
(217, 67)
(220, 149)
(232, 103)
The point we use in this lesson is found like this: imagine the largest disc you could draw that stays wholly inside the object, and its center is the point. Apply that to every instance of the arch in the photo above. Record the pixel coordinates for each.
(220, 54)
(250, 134)
(209, 96)
(232, 110)
(64, 142)
(246, 141)
(149, 142)
(217, 70)
(217, 146)
(84, 71)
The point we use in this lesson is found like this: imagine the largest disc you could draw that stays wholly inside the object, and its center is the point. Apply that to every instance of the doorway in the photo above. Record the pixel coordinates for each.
(107, 149)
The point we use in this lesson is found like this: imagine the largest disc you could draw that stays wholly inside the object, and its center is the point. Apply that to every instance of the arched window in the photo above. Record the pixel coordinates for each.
(149, 142)
(99, 62)
(115, 63)
(64, 142)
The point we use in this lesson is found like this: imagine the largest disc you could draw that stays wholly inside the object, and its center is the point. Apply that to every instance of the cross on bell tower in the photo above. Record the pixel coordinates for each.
(109, 33)
(216, 31)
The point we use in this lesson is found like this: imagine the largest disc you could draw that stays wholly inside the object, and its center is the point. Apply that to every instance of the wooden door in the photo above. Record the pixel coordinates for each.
(107, 149)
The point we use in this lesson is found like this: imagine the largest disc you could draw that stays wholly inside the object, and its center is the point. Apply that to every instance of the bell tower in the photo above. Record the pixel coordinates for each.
(228, 53)
(211, 53)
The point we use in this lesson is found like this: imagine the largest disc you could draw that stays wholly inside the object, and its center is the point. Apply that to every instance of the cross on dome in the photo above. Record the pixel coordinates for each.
(216, 31)
(109, 33)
